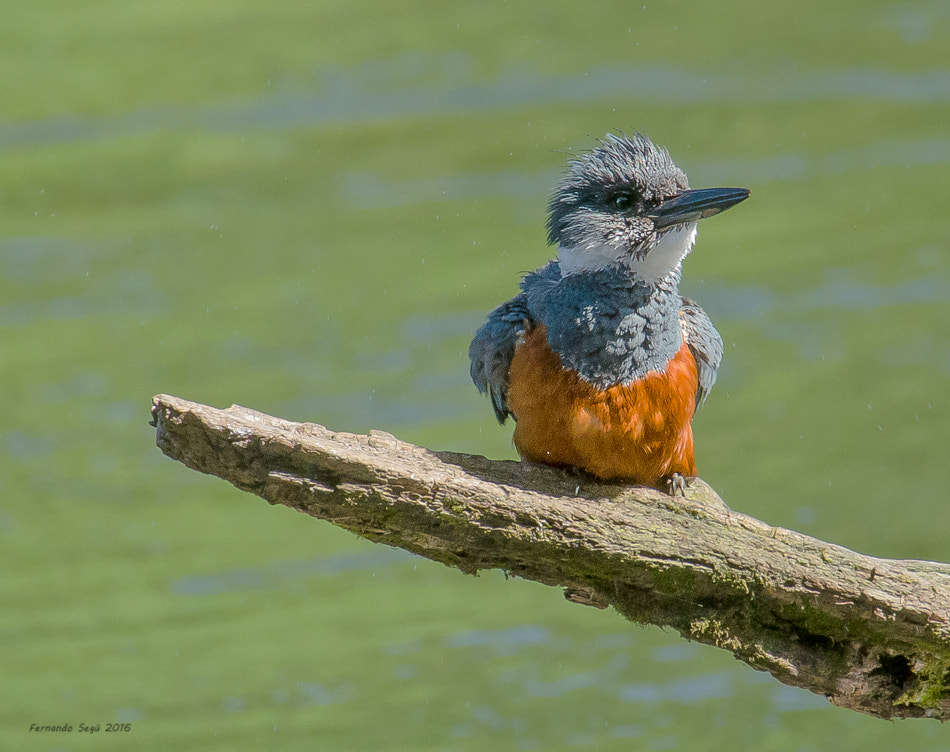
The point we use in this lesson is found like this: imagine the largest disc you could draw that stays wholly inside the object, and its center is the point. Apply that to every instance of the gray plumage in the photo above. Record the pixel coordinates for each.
(606, 326)
(704, 343)
(494, 346)
(623, 219)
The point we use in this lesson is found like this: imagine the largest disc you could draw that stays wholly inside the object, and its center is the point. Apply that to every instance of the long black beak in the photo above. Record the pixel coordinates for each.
(690, 206)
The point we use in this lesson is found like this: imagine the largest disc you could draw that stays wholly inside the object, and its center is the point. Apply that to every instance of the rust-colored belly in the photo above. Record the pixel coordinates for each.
(638, 432)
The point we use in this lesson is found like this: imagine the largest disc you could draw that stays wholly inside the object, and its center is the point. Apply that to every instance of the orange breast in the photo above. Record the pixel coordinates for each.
(637, 432)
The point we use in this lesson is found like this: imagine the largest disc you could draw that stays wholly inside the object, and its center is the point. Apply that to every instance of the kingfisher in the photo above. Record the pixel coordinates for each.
(599, 359)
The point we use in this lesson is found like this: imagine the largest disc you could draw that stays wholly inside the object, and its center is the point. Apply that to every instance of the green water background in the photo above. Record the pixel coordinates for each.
(307, 208)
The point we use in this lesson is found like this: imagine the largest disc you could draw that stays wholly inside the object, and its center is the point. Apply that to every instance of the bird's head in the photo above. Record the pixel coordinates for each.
(625, 203)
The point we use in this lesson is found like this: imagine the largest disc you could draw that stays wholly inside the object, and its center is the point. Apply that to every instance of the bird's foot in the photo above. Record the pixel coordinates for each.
(676, 483)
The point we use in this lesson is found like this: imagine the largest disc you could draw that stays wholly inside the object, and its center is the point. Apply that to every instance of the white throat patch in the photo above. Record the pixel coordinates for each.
(672, 248)
(667, 254)
(591, 259)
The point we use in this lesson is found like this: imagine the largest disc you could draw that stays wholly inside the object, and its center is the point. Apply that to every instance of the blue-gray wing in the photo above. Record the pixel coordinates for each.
(705, 344)
(492, 349)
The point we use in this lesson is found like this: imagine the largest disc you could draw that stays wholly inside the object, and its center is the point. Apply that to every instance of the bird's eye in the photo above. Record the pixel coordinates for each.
(621, 202)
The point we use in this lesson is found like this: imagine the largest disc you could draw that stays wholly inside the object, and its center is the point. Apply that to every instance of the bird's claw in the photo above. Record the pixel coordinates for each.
(676, 482)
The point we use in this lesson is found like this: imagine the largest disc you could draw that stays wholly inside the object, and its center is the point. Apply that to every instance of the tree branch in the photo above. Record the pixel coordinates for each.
(870, 634)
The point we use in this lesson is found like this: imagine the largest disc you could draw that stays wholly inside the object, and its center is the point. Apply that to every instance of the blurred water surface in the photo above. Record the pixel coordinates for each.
(307, 208)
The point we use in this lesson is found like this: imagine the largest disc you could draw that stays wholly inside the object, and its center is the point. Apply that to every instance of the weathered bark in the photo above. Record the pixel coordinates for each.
(870, 634)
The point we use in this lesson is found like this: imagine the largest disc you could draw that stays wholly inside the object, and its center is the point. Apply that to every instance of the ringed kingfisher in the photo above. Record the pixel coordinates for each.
(599, 359)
